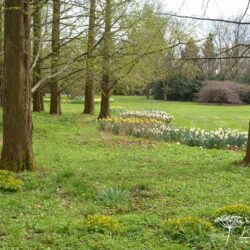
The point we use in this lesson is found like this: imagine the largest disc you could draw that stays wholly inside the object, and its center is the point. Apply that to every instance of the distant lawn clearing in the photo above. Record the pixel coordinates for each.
(193, 114)
(140, 183)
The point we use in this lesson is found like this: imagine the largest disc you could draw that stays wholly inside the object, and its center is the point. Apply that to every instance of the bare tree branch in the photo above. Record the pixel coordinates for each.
(204, 18)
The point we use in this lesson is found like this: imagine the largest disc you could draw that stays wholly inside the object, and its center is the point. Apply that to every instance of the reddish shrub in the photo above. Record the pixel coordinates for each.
(223, 92)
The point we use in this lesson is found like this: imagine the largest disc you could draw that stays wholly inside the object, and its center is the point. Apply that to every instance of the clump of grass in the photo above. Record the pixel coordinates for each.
(9, 181)
(187, 229)
(140, 186)
(141, 189)
(113, 196)
(74, 184)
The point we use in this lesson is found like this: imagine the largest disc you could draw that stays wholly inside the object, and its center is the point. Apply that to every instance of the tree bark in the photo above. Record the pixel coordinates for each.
(1, 53)
(105, 103)
(55, 99)
(165, 91)
(106, 86)
(247, 157)
(148, 87)
(90, 76)
(38, 105)
(17, 152)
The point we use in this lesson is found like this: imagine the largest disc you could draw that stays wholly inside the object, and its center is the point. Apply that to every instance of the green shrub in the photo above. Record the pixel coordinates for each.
(158, 90)
(187, 229)
(9, 181)
(239, 210)
(177, 89)
(245, 96)
(183, 90)
(102, 224)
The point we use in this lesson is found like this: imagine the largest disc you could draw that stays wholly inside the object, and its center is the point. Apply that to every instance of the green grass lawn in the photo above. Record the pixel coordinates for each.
(76, 162)
(194, 114)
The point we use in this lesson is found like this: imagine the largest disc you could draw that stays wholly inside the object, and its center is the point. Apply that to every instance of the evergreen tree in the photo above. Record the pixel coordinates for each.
(191, 51)
(192, 68)
(209, 65)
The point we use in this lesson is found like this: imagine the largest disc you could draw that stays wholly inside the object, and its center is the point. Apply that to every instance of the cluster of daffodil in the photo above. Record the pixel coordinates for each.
(221, 138)
(127, 126)
(149, 114)
(9, 181)
(152, 127)
(103, 224)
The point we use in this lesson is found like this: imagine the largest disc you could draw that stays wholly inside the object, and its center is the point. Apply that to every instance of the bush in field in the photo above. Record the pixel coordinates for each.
(244, 92)
(157, 90)
(183, 90)
(224, 92)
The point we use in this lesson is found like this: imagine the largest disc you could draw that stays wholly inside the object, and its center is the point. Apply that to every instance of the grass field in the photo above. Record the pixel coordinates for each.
(76, 162)
(194, 114)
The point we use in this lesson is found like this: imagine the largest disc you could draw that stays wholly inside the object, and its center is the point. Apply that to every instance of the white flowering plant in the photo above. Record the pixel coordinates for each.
(233, 223)
(149, 114)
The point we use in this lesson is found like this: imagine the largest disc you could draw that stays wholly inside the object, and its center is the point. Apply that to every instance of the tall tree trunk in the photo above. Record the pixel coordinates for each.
(17, 122)
(38, 105)
(90, 76)
(147, 89)
(55, 99)
(165, 90)
(105, 100)
(106, 86)
(1, 52)
(247, 157)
